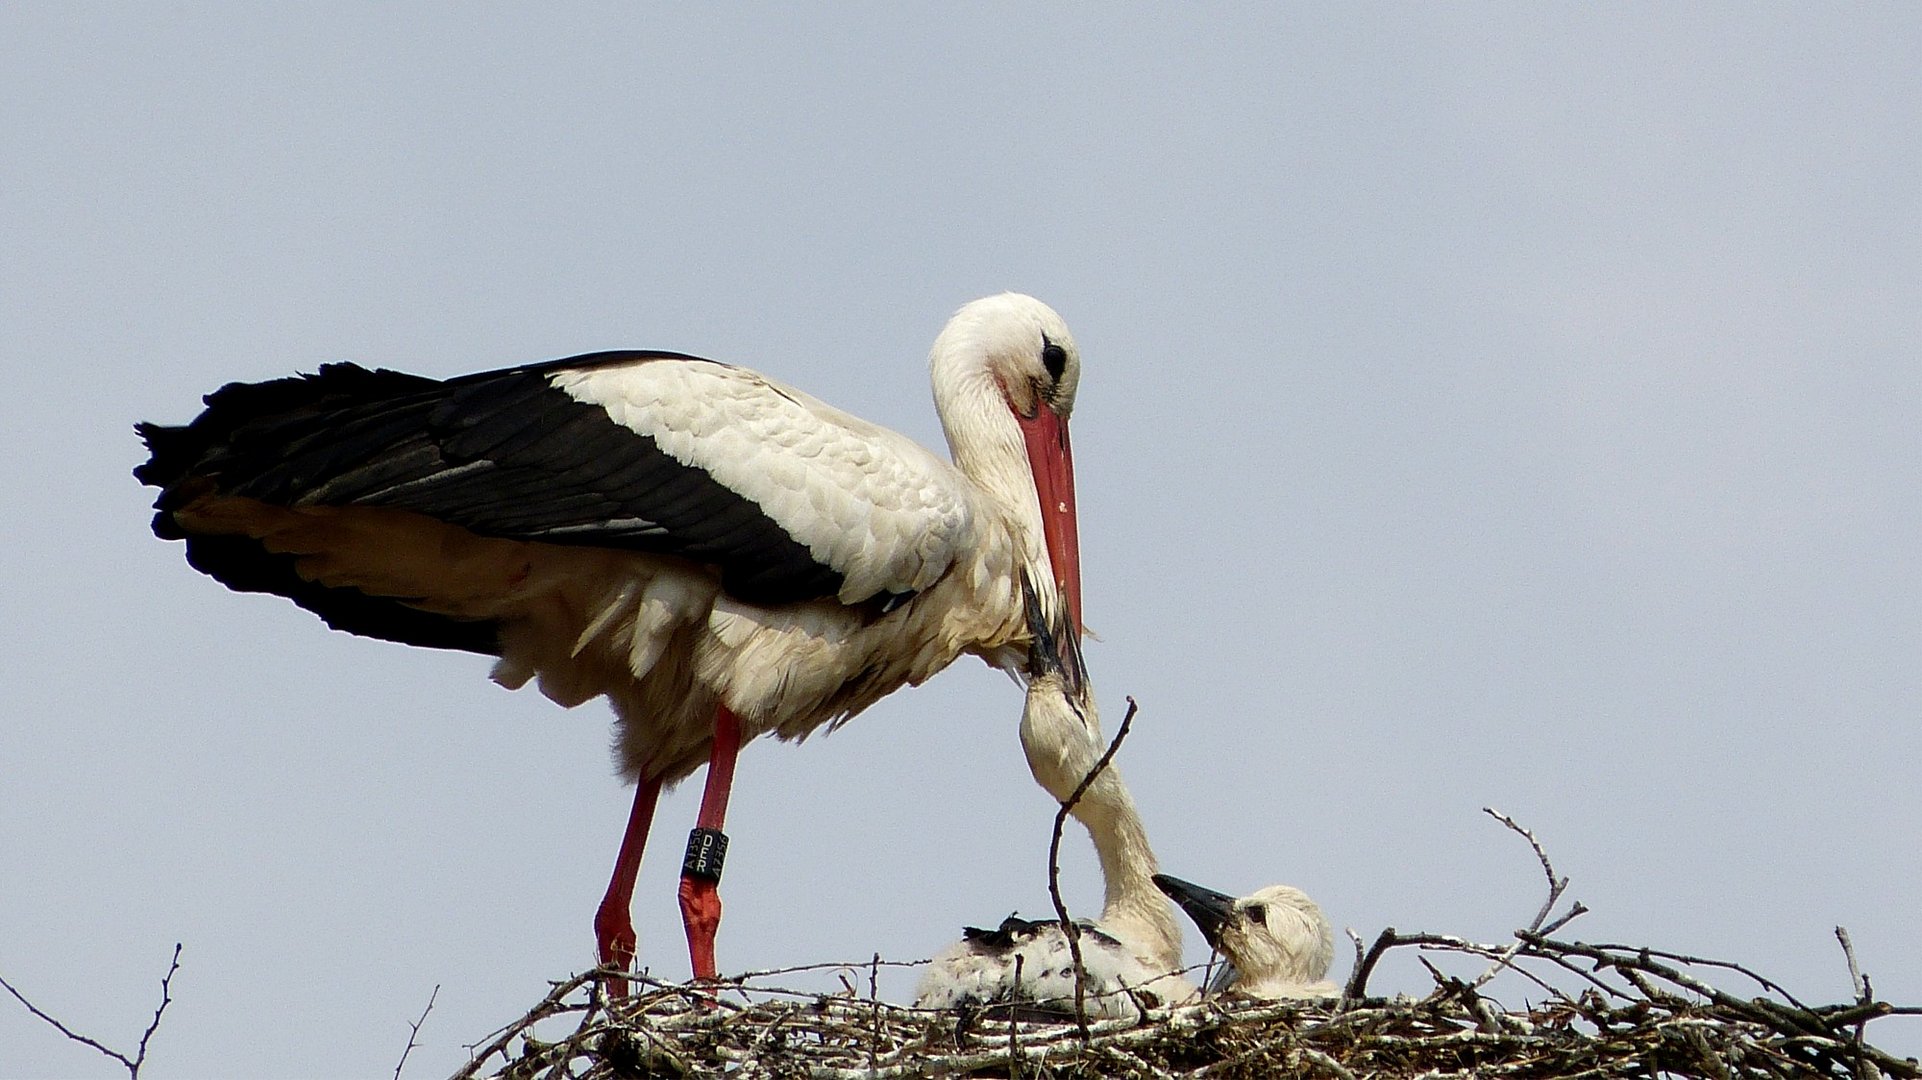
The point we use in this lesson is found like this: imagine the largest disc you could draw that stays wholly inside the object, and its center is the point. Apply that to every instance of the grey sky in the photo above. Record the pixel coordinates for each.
(1483, 404)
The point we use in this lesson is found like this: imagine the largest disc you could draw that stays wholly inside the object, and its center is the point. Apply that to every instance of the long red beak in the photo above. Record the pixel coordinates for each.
(1052, 462)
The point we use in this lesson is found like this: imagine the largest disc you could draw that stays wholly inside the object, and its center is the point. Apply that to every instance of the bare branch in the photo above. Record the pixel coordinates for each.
(1569, 916)
(1864, 999)
(1068, 928)
(1644, 952)
(1358, 982)
(64, 1029)
(553, 1004)
(139, 1059)
(166, 998)
(1555, 888)
(796, 969)
(1014, 1038)
(415, 1032)
(1863, 993)
(1555, 884)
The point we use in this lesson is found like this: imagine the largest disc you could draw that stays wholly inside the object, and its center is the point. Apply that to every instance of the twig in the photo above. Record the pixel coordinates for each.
(1014, 1037)
(1645, 952)
(134, 1063)
(1863, 993)
(1639, 961)
(1068, 928)
(1556, 885)
(802, 969)
(550, 1005)
(166, 998)
(1358, 982)
(1864, 999)
(1577, 909)
(874, 1000)
(415, 1033)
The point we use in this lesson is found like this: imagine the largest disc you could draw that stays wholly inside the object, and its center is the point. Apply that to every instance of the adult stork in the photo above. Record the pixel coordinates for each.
(719, 555)
(1276, 940)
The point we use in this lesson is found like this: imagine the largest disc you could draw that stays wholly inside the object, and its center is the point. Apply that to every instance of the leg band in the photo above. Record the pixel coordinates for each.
(706, 850)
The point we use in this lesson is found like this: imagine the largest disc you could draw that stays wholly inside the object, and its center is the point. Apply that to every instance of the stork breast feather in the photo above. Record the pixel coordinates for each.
(873, 504)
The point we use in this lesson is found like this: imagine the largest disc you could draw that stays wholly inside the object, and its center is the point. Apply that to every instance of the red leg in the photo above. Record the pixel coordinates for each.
(701, 871)
(613, 925)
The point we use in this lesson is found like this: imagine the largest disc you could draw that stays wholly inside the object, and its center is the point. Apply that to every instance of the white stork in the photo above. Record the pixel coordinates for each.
(1131, 955)
(1276, 941)
(719, 555)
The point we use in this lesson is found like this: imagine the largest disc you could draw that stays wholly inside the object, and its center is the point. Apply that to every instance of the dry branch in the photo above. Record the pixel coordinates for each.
(132, 1064)
(413, 1035)
(1068, 927)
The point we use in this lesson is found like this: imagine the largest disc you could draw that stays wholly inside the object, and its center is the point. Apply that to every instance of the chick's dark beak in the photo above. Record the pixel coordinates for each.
(1209, 909)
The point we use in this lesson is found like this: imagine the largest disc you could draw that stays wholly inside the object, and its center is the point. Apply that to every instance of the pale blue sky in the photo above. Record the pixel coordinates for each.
(1484, 404)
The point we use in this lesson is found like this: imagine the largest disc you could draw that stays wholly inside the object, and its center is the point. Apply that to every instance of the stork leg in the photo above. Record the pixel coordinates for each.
(706, 845)
(613, 925)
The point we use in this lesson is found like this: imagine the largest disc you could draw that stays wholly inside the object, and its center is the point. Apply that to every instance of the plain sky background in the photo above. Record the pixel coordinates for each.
(1512, 405)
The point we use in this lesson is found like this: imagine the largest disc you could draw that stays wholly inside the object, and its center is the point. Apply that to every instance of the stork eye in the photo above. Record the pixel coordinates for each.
(1053, 357)
(1256, 912)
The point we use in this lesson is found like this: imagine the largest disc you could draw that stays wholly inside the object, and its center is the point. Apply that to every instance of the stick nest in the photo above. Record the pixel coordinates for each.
(1636, 1013)
(1602, 1011)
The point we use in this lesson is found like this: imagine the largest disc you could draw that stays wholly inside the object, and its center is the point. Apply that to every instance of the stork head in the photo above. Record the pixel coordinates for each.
(1060, 730)
(1280, 943)
(1005, 373)
(1022, 344)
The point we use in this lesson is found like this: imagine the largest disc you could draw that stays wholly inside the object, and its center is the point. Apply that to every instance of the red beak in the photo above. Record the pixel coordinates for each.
(1052, 462)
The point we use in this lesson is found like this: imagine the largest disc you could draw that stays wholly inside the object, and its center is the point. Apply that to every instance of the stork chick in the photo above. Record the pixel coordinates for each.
(1277, 942)
(1131, 955)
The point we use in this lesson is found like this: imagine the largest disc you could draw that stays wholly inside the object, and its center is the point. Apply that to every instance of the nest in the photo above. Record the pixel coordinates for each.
(1631, 1013)
(1603, 1011)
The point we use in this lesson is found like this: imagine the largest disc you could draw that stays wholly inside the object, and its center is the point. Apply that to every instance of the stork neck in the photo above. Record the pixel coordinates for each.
(988, 447)
(1062, 742)
(1132, 905)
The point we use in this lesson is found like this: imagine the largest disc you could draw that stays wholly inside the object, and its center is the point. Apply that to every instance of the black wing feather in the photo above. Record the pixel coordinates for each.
(501, 453)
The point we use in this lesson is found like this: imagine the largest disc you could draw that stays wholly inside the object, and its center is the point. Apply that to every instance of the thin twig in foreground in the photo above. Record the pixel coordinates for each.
(1068, 927)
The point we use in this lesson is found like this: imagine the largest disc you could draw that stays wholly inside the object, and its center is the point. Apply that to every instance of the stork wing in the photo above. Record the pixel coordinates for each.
(786, 497)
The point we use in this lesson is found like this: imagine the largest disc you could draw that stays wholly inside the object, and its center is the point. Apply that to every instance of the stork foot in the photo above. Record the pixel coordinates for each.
(701, 915)
(614, 930)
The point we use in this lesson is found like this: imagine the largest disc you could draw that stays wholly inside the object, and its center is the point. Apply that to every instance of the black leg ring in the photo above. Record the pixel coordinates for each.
(706, 850)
